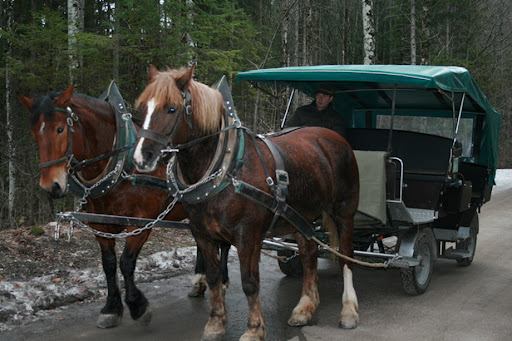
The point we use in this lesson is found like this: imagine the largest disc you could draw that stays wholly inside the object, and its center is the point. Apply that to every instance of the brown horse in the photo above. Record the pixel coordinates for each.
(86, 131)
(323, 181)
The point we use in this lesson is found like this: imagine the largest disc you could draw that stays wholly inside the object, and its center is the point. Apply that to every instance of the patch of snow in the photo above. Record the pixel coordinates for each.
(503, 180)
(25, 301)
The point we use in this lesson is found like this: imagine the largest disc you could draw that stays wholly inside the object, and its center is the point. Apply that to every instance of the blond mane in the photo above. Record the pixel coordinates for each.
(206, 102)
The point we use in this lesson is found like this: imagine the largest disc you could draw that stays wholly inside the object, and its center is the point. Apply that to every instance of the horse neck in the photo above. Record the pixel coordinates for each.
(195, 160)
(94, 136)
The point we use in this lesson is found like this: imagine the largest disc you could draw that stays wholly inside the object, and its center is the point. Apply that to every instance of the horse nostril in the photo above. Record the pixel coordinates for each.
(147, 154)
(56, 190)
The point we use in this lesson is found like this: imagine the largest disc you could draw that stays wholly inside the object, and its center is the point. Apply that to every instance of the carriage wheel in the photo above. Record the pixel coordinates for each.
(416, 279)
(470, 243)
(292, 267)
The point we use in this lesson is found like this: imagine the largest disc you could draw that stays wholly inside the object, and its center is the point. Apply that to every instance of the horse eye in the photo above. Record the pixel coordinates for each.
(171, 110)
(60, 130)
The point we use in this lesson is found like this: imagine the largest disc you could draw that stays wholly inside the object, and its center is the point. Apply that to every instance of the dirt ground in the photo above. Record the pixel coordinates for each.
(26, 255)
(38, 274)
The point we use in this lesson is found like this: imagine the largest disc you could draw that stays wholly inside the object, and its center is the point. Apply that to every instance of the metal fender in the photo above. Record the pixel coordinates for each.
(408, 241)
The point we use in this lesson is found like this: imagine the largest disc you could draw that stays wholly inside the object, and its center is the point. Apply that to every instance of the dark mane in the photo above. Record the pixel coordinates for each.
(44, 105)
(98, 106)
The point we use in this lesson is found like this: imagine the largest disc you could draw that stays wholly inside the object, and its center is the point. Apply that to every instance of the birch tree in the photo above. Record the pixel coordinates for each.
(413, 32)
(11, 149)
(189, 42)
(369, 33)
(75, 25)
(425, 30)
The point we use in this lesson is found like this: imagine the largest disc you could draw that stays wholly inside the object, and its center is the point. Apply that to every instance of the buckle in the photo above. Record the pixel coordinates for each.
(282, 177)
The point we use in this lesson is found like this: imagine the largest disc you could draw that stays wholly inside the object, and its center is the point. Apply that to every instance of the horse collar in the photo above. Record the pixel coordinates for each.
(225, 161)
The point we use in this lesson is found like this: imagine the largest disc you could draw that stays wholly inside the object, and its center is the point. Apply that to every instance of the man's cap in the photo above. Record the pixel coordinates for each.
(325, 91)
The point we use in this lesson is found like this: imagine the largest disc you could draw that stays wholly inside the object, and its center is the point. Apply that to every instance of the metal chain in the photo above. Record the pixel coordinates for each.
(180, 193)
(80, 202)
(87, 190)
(109, 235)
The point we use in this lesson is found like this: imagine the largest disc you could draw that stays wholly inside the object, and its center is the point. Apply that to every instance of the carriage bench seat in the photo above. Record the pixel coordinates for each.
(425, 157)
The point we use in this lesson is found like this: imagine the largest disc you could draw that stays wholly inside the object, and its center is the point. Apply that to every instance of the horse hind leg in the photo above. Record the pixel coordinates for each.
(310, 299)
(135, 300)
(112, 313)
(349, 317)
(224, 253)
(198, 285)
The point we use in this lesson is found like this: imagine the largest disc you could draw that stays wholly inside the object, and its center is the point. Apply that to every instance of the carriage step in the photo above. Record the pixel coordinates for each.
(452, 253)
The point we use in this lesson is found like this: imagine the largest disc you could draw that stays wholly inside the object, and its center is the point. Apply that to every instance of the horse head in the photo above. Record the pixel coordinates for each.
(175, 109)
(52, 128)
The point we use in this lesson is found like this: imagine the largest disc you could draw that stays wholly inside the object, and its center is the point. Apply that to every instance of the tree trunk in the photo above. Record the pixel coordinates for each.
(307, 41)
(11, 148)
(192, 57)
(369, 33)
(75, 25)
(115, 54)
(345, 34)
(413, 32)
(425, 27)
(285, 26)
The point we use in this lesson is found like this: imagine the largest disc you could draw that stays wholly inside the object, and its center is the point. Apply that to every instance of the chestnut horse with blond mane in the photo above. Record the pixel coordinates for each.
(214, 159)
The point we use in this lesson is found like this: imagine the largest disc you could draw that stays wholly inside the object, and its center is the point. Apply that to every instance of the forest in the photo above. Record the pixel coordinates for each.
(49, 44)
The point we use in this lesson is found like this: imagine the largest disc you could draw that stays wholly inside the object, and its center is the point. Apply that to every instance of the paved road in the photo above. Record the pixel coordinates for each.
(473, 303)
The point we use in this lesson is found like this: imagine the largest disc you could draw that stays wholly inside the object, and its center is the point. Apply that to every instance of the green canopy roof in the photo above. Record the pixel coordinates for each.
(437, 90)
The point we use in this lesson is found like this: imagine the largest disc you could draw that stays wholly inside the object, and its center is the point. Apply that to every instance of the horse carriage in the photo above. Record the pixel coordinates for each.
(395, 196)
(426, 143)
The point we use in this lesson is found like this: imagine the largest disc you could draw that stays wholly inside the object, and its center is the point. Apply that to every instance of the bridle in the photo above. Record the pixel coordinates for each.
(186, 111)
(166, 140)
(68, 158)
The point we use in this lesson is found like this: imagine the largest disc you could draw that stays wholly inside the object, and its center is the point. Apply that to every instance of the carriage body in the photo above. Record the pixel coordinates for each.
(426, 141)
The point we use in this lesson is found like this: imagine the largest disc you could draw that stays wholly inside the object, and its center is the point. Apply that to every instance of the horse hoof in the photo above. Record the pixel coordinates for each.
(298, 321)
(212, 337)
(197, 290)
(349, 320)
(145, 319)
(251, 337)
(108, 320)
(349, 323)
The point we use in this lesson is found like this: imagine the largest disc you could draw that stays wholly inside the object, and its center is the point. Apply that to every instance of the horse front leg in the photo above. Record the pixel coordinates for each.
(216, 326)
(112, 312)
(135, 300)
(310, 299)
(249, 269)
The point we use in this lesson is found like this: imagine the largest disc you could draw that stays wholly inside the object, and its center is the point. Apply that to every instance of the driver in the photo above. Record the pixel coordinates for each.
(319, 113)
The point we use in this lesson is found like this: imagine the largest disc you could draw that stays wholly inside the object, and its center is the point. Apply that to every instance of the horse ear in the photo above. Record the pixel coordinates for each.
(183, 80)
(26, 102)
(153, 72)
(65, 98)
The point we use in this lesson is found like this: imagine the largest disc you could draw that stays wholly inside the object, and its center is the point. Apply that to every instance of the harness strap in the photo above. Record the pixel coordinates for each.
(270, 202)
(281, 189)
(149, 181)
(68, 157)
(88, 162)
(153, 135)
